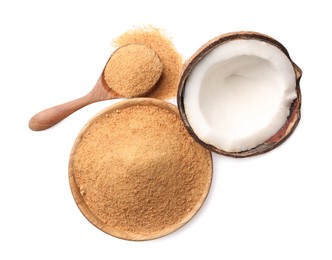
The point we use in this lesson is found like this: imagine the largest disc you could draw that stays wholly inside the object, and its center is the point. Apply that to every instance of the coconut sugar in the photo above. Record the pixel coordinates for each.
(133, 70)
(140, 173)
(172, 61)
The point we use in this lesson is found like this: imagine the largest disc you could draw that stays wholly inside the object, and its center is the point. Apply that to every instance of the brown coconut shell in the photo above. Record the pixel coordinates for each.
(294, 115)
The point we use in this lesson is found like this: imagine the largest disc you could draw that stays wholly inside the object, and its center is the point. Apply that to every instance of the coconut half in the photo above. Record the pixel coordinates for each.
(239, 95)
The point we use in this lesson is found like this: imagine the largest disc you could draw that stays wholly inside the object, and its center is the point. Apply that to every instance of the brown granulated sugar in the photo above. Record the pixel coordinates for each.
(136, 173)
(172, 61)
(133, 70)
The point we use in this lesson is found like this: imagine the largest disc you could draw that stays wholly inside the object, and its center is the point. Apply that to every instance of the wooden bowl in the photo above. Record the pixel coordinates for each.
(200, 180)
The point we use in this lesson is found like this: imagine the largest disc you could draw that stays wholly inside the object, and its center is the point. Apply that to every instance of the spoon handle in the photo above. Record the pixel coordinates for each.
(51, 116)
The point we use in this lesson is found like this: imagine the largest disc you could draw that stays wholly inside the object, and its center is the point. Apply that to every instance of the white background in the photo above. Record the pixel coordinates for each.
(274, 206)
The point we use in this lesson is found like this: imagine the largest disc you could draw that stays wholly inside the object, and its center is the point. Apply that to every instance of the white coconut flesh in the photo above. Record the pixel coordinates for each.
(239, 94)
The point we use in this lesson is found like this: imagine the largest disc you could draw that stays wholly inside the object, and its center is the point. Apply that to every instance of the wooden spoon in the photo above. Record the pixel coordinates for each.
(101, 91)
